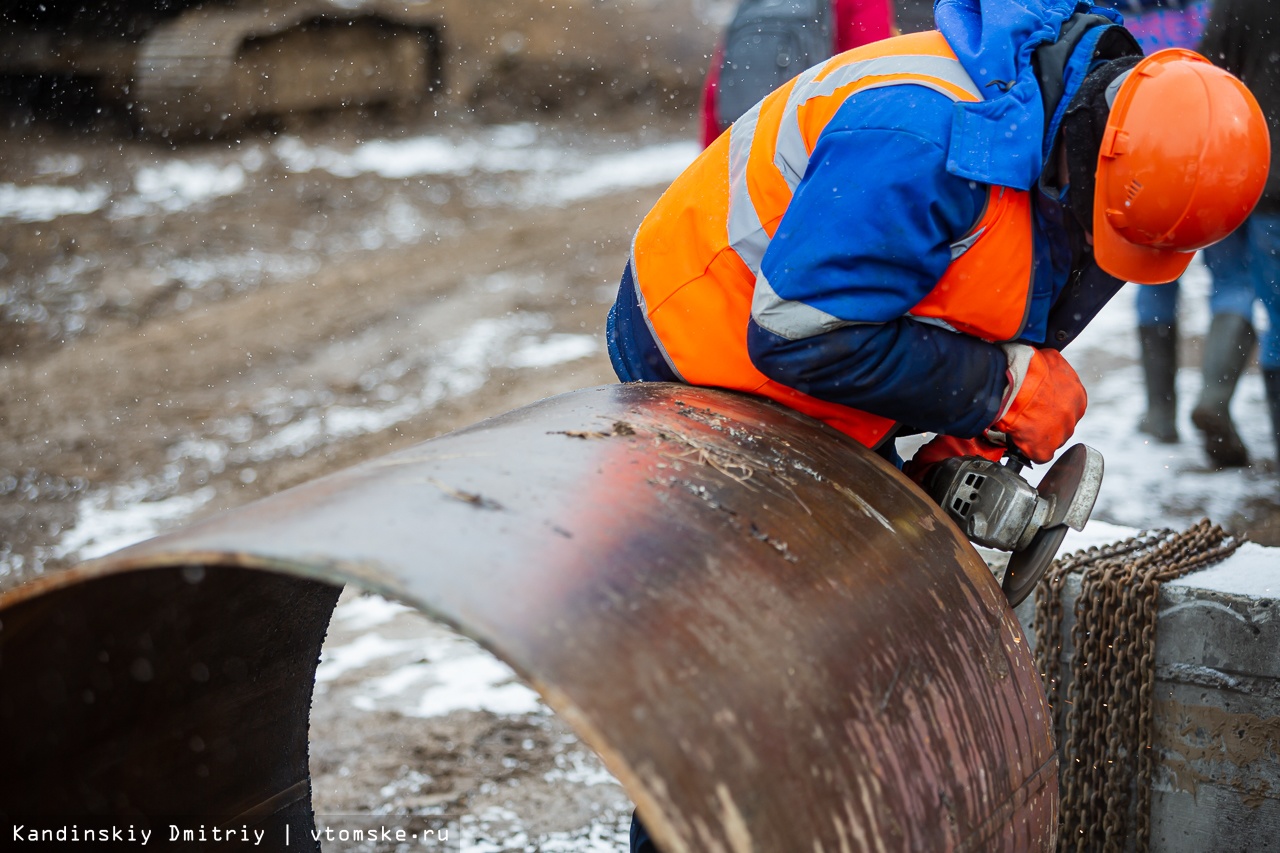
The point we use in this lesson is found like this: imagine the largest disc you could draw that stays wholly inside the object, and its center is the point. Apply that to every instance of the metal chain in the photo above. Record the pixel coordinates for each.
(1105, 712)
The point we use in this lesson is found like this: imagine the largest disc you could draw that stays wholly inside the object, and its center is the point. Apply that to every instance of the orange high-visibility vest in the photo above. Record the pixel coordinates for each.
(696, 256)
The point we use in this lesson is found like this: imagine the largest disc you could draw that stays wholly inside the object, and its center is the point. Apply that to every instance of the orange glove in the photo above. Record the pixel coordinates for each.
(1043, 404)
(945, 447)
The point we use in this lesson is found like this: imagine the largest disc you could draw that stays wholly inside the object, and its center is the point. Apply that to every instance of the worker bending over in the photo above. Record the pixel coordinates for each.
(903, 238)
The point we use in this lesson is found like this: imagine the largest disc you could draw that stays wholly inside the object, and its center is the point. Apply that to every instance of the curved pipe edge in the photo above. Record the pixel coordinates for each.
(771, 637)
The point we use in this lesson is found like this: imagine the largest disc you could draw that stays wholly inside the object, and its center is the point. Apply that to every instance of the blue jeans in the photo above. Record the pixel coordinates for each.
(1248, 261)
(1231, 293)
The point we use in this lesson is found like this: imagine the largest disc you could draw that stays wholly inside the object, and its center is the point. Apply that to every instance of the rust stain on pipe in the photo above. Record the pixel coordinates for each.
(773, 639)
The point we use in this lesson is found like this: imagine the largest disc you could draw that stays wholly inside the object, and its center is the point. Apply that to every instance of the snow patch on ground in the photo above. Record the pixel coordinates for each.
(336, 661)
(555, 175)
(1252, 571)
(657, 164)
(45, 203)
(472, 679)
(368, 611)
(174, 186)
(553, 350)
(579, 768)
(179, 184)
(112, 519)
(499, 830)
(431, 673)
(508, 148)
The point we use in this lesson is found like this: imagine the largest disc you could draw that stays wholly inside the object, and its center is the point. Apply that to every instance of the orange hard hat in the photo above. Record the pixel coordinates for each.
(1184, 158)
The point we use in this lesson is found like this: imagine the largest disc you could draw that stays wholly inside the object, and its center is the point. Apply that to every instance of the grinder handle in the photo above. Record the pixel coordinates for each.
(1014, 459)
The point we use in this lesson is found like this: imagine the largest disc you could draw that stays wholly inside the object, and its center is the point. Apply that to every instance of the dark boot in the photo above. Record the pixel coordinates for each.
(1160, 369)
(1271, 379)
(1226, 351)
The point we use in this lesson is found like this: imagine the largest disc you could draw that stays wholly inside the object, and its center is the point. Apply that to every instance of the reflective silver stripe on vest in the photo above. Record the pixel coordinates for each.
(788, 319)
(747, 237)
(934, 321)
(964, 244)
(792, 158)
(805, 89)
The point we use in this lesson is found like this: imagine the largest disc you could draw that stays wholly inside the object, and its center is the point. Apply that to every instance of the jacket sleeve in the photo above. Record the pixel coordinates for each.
(866, 237)
(928, 378)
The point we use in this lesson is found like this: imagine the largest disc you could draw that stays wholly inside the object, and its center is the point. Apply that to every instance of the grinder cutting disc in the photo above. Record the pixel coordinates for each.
(1027, 566)
(1072, 485)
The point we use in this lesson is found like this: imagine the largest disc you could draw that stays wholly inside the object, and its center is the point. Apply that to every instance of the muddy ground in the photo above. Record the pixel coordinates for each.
(150, 353)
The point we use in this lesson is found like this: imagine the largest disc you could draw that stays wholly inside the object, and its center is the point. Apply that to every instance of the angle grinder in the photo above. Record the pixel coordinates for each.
(996, 508)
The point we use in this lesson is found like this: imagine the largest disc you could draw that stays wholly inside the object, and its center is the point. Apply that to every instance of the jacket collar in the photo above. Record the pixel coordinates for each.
(995, 41)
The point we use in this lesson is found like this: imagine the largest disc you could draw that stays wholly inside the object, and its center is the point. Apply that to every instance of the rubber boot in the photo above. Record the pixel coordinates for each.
(1226, 351)
(1159, 345)
(1271, 379)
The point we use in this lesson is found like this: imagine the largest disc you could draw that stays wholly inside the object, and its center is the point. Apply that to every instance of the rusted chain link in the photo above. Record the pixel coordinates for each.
(1104, 711)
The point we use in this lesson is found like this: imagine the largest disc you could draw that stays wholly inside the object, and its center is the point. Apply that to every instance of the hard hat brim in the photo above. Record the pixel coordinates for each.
(1131, 262)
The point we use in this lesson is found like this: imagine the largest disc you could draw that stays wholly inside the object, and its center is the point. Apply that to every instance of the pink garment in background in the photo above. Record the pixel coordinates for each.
(857, 22)
(860, 22)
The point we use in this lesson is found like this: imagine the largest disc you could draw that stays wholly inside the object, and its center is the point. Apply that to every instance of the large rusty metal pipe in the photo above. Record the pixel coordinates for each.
(772, 638)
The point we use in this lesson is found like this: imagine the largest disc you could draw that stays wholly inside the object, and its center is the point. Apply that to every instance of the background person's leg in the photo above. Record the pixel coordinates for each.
(1227, 349)
(1157, 307)
(1264, 266)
